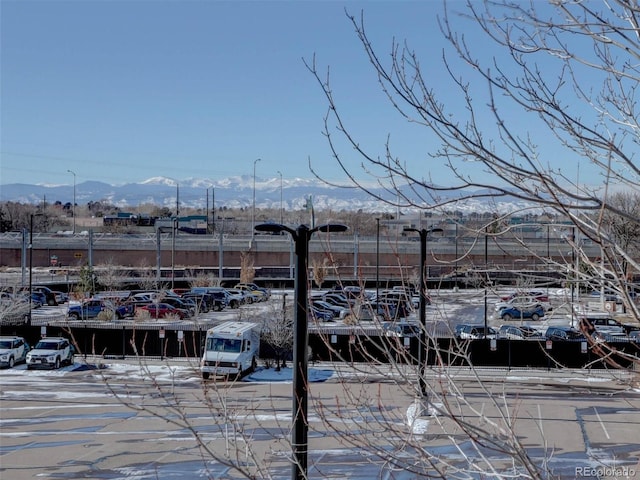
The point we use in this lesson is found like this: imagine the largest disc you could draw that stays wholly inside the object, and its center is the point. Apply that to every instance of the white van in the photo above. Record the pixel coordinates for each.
(231, 348)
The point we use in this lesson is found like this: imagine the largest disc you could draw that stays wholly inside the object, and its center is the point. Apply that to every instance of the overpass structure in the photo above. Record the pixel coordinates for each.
(344, 257)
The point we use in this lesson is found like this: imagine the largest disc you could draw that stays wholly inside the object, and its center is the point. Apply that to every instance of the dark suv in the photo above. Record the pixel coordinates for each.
(217, 297)
(564, 333)
(49, 295)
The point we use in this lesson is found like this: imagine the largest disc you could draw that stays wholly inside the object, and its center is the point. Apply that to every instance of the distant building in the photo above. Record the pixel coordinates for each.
(193, 224)
(128, 219)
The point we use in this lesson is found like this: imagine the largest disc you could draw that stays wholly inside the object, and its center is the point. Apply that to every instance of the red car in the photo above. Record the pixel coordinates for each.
(537, 294)
(163, 310)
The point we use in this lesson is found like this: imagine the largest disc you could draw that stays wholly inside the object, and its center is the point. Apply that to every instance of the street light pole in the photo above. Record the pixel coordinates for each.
(253, 211)
(30, 266)
(281, 209)
(73, 207)
(30, 247)
(377, 261)
(174, 226)
(486, 283)
(422, 347)
(299, 433)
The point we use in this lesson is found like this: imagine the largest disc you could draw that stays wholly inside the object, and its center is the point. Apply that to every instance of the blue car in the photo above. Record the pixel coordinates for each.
(534, 313)
(317, 314)
(92, 308)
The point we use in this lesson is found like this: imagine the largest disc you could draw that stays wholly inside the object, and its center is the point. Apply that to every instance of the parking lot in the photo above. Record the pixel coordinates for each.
(130, 420)
(142, 418)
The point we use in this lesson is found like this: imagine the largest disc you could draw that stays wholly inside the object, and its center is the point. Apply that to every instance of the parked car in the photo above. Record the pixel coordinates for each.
(259, 294)
(185, 304)
(50, 352)
(475, 332)
(411, 294)
(523, 303)
(203, 301)
(338, 312)
(519, 332)
(218, 295)
(563, 333)
(401, 329)
(354, 292)
(164, 310)
(539, 295)
(266, 293)
(143, 298)
(606, 325)
(338, 299)
(319, 315)
(606, 296)
(458, 329)
(49, 295)
(38, 299)
(365, 311)
(389, 311)
(533, 312)
(408, 289)
(250, 296)
(92, 308)
(13, 350)
(400, 296)
(237, 297)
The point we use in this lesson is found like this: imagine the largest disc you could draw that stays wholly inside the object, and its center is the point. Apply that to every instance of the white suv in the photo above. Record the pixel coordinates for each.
(51, 352)
(12, 350)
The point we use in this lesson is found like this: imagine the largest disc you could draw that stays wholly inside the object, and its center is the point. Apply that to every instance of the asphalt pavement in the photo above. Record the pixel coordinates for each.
(126, 419)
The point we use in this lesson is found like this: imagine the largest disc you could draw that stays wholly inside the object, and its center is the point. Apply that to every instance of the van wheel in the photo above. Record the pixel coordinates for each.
(254, 364)
(205, 375)
(57, 364)
(12, 362)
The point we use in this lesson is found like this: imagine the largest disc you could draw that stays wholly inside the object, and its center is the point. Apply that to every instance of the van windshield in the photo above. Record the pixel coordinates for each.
(224, 345)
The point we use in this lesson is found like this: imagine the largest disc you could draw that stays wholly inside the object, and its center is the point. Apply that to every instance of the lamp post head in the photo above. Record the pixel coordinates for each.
(277, 228)
(273, 228)
(331, 227)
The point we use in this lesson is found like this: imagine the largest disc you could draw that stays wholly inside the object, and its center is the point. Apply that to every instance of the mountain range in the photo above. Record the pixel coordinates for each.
(232, 192)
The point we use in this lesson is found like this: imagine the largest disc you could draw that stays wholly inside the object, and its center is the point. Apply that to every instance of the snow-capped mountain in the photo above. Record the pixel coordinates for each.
(232, 192)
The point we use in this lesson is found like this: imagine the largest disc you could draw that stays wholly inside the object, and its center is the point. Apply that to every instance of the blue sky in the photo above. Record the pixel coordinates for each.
(121, 91)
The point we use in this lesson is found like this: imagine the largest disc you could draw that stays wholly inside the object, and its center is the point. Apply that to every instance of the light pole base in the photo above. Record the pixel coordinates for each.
(417, 415)
(420, 406)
